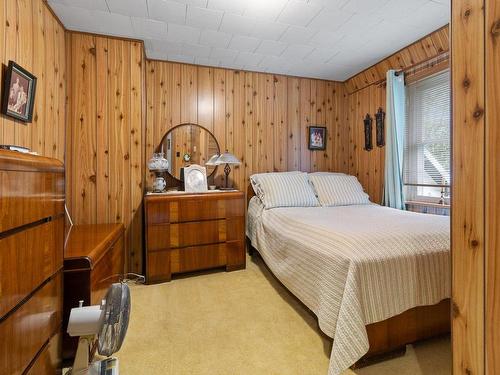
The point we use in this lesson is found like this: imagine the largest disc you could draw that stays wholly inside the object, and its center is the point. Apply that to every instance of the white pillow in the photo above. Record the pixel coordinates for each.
(284, 189)
(327, 174)
(338, 190)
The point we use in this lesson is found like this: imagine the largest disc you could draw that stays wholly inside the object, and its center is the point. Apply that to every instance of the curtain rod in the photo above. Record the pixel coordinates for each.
(419, 66)
(424, 64)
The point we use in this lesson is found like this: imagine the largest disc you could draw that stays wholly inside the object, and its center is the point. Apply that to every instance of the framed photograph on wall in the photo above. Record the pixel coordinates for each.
(317, 138)
(18, 93)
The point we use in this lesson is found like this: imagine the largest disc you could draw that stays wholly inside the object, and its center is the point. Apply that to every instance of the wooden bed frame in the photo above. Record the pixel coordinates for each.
(388, 338)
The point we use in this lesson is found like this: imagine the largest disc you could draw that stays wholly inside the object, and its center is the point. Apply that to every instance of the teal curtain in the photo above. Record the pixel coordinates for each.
(395, 130)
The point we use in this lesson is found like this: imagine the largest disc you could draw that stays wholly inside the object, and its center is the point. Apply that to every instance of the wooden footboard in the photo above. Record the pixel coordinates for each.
(389, 337)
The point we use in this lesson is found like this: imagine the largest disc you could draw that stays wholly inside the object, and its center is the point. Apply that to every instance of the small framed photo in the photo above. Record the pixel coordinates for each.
(195, 179)
(317, 138)
(19, 93)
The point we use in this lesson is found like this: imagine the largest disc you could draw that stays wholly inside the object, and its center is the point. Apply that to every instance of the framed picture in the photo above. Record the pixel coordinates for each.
(195, 179)
(317, 138)
(18, 93)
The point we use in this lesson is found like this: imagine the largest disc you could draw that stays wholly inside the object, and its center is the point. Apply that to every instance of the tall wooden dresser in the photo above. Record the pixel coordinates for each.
(31, 260)
(189, 232)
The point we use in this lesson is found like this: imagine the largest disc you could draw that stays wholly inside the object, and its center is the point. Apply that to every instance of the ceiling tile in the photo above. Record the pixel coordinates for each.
(331, 39)
(163, 46)
(215, 38)
(167, 11)
(359, 24)
(196, 50)
(224, 54)
(206, 61)
(363, 6)
(248, 58)
(234, 24)
(396, 9)
(330, 20)
(73, 18)
(203, 17)
(244, 43)
(156, 55)
(326, 39)
(196, 3)
(321, 55)
(231, 6)
(429, 15)
(275, 64)
(329, 4)
(271, 48)
(298, 13)
(181, 58)
(297, 35)
(182, 33)
(264, 9)
(147, 28)
(136, 8)
(296, 51)
(269, 30)
(86, 4)
(114, 24)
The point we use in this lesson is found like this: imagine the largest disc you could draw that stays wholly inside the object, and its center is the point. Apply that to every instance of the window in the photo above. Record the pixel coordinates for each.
(427, 140)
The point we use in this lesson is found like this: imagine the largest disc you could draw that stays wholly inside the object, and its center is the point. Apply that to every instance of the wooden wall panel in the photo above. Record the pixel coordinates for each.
(468, 187)
(106, 135)
(368, 166)
(422, 50)
(31, 36)
(261, 118)
(492, 191)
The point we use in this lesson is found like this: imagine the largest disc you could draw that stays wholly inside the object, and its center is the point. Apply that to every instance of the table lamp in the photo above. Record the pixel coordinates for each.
(227, 159)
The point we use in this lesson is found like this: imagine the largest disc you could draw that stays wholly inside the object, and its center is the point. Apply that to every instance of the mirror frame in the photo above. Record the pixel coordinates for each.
(158, 148)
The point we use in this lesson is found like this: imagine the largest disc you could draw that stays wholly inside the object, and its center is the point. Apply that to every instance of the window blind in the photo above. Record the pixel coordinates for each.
(427, 149)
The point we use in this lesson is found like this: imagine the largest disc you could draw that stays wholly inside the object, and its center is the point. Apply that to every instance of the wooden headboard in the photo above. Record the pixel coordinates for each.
(31, 261)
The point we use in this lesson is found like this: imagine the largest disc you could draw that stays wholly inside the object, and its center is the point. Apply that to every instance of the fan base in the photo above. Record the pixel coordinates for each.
(108, 366)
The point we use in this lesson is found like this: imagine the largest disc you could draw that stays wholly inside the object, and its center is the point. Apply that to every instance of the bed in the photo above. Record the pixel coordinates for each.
(376, 278)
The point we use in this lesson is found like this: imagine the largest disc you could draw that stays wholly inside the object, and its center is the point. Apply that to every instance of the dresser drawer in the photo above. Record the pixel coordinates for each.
(197, 233)
(37, 253)
(197, 210)
(197, 258)
(48, 362)
(30, 327)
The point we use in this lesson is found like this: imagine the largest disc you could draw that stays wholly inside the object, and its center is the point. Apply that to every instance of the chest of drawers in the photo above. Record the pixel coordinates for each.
(190, 232)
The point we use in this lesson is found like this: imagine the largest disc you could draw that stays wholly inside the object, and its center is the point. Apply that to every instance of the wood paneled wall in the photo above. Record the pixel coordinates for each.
(261, 118)
(31, 36)
(492, 188)
(422, 50)
(105, 164)
(366, 93)
(368, 166)
(475, 200)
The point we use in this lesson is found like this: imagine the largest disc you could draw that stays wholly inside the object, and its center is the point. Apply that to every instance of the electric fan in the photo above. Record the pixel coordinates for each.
(102, 328)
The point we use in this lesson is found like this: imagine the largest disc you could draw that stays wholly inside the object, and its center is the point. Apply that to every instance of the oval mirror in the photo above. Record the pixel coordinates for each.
(187, 144)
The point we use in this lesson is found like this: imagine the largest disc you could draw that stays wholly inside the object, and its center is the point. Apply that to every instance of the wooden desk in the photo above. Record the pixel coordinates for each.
(93, 259)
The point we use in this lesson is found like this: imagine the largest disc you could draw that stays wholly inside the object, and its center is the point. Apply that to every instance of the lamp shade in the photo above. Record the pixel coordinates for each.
(213, 160)
(227, 158)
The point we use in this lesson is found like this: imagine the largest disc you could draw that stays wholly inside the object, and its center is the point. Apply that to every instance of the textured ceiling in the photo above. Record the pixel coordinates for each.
(328, 39)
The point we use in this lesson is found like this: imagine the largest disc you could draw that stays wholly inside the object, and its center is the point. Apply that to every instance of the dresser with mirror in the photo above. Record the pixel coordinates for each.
(189, 231)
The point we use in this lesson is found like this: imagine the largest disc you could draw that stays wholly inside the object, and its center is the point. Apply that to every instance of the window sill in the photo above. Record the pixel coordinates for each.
(427, 204)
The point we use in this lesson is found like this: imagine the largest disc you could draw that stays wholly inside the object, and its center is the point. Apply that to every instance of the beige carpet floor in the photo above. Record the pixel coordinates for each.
(239, 323)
